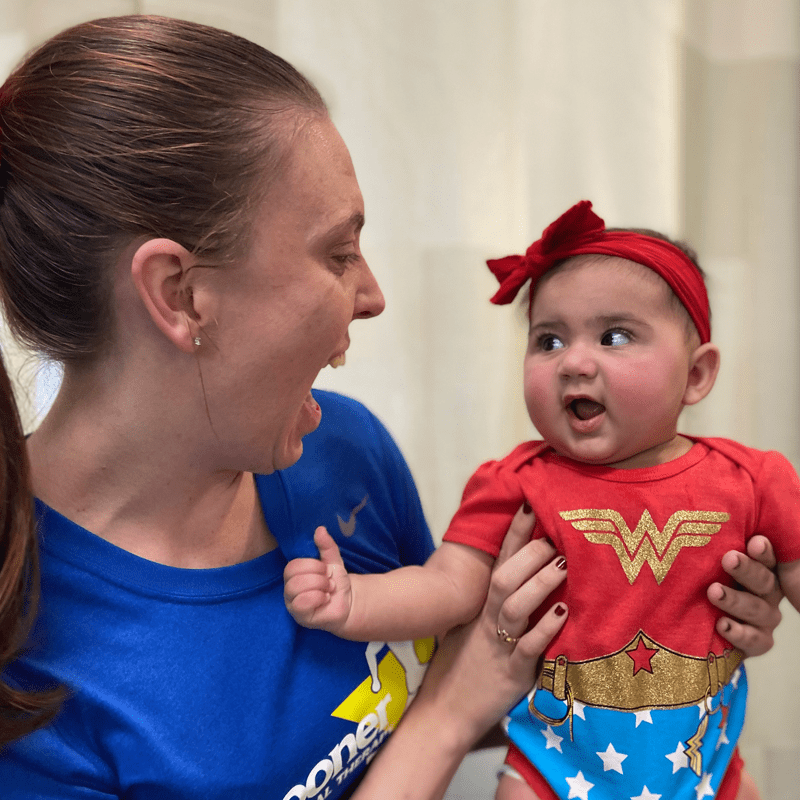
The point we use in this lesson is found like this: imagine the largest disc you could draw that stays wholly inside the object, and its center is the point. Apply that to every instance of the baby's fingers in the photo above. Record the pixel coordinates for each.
(303, 606)
(307, 589)
(328, 549)
(303, 566)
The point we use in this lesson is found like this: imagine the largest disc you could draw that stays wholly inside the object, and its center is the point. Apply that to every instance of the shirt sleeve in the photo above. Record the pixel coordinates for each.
(778, 506)
(491, 498)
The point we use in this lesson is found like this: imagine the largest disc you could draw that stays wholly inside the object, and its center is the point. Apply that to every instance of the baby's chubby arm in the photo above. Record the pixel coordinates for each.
(406, 603)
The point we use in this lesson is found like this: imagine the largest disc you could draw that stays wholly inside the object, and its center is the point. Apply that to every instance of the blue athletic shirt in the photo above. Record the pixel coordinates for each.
(197, 683)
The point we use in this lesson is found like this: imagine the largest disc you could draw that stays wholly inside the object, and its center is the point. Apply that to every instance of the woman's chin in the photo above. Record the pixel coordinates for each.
(306, 421)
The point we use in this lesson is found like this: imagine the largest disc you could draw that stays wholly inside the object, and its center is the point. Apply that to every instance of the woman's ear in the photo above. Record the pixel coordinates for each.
(160, 269)
(703, 369)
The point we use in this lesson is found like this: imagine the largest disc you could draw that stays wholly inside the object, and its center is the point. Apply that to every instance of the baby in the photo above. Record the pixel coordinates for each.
(638, 695)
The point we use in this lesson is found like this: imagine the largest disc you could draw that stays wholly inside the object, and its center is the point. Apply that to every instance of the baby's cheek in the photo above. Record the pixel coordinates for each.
(645, 389)
(538, 394)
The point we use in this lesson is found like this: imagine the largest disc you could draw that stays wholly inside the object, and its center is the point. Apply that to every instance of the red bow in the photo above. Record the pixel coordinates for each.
(558, 238)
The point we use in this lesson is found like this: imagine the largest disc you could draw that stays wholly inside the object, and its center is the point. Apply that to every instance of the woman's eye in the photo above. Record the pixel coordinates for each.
(343, 260)
(548, 342)
(615, 338)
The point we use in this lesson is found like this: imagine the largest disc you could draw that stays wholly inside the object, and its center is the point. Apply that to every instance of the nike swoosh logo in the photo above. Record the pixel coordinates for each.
(348, 528)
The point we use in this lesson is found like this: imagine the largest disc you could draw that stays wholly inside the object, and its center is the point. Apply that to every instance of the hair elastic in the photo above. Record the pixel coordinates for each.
(580, 231)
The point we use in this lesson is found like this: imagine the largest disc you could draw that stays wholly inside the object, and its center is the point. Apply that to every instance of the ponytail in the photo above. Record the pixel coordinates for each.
(21, 710)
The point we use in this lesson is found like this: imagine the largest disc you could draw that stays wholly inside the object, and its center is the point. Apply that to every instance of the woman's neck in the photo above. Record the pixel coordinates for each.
(134, 474)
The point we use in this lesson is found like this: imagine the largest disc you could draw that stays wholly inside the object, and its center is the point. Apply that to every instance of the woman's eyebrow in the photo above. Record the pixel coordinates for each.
(353, 223)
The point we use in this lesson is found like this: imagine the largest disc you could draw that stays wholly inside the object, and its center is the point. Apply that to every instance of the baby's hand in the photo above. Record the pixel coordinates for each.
(318, 592)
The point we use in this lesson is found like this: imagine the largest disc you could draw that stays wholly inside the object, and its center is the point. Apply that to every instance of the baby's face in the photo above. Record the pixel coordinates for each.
(607, 363)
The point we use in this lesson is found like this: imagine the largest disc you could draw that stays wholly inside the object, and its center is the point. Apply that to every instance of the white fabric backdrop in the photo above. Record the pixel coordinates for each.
(472, 124)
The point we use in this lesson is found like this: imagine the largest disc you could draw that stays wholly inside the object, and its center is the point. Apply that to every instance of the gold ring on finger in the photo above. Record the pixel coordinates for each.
(503, 634)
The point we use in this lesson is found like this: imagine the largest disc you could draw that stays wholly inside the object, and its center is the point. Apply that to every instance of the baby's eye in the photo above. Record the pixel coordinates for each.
(615, 338)
(548, 342)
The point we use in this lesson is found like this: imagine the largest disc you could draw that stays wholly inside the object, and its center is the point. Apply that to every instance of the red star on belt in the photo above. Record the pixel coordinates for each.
(641, 656)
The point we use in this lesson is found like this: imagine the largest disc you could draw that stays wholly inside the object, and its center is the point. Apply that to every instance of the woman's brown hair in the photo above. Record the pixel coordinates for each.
(21, 710)
(125, 127)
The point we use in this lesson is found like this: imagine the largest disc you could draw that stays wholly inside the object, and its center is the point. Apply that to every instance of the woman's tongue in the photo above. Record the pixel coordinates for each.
(586, 409)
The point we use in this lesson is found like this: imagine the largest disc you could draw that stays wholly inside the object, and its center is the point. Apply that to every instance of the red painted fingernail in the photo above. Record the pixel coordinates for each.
(561, 562)
(559, 611)
(549, 541)
(526, 508)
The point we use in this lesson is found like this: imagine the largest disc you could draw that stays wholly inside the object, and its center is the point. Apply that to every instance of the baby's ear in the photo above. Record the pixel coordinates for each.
(703, 369)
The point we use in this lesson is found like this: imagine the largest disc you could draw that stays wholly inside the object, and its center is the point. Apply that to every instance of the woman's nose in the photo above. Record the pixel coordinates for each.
(369, 298)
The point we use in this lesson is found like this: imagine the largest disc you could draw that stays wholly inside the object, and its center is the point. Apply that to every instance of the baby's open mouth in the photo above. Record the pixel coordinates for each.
(583, 408)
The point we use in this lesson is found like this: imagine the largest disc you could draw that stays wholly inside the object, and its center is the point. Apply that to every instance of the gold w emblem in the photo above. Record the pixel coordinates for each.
(646, 543)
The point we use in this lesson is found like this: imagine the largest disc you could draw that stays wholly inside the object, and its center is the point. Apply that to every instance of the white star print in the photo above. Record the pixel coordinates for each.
(579, 787)
(679, 758)
(577, 709)
(735, 678)
(646, 795)
(723, 738)
(553, 739)
(703, 788)
(612, 759)
(702, 706)
(505, 723)
(643, 716)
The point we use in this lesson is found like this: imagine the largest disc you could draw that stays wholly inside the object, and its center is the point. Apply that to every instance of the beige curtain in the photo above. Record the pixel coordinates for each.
(472, 124)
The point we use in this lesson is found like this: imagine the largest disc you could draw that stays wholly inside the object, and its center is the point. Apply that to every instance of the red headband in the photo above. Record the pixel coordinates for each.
(580, 231)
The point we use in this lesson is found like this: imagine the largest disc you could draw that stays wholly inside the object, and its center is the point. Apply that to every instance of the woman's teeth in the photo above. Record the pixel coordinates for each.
(338, 361)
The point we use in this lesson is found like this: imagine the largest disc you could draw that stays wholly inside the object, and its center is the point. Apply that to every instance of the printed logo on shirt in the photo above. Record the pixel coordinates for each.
(375, 706)
(348, 527)
(646, 543)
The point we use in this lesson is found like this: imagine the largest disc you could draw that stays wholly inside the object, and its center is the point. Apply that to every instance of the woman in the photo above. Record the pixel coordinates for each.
(187, 245)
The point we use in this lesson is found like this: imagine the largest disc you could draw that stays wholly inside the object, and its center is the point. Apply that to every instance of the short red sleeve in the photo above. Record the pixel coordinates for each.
(778, 506)
(491, 498)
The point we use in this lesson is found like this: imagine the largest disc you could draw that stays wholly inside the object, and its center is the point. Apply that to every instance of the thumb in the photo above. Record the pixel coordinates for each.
(328, 549)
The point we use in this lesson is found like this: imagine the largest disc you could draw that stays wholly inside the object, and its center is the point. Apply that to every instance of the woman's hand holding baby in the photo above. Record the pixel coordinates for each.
(752, 610)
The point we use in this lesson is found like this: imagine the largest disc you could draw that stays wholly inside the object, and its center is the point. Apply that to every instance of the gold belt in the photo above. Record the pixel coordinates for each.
(642, 675)
(673, 680)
